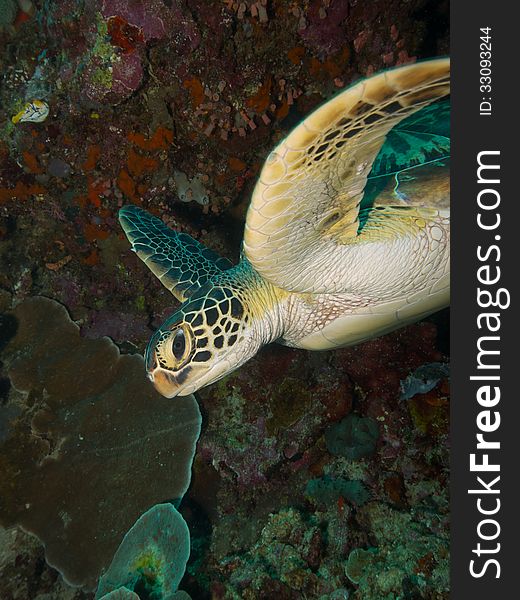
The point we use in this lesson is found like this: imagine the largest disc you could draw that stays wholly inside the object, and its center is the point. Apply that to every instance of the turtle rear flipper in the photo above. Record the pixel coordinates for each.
(181, 263)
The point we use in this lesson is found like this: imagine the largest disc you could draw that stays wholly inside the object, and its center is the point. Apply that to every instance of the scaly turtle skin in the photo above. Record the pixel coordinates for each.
(346, 237)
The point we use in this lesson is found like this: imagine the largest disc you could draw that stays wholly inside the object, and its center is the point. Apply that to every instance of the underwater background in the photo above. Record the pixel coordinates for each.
(302, 475)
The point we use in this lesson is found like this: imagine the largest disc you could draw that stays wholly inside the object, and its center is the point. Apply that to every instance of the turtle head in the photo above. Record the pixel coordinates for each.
(207, 338)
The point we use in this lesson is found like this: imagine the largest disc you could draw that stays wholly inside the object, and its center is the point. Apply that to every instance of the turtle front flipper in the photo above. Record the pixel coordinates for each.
(181, 263)
(304, 227)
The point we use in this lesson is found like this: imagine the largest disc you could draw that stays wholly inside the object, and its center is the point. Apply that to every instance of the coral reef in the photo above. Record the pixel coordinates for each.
(174, 105)
(73, 451)
(390, 472)
(407, 557)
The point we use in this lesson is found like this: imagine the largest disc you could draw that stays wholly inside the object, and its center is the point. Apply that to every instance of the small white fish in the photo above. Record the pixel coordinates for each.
(35, 111)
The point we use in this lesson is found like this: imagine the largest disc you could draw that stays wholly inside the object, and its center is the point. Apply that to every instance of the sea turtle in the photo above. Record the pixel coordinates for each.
(346, 237)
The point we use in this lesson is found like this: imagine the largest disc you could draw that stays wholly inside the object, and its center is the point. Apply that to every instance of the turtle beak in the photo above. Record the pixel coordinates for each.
(164, 382)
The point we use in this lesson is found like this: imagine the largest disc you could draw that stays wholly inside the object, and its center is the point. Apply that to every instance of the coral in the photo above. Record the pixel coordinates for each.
(122, 34)
(285, 548)
(327, 491)
(21, 191)
(113, 324)
(91, 446)
(358, 562)
(24, 574)
(423, 379)
(339, 594)
(190, 190)
(409, 555)
(248, 440)
(58, 168)
(300, 470)
(127, 74)
(152, 556)
(122, 593)
(353, 437)
(288, 559)
(160, 140)
(324, 27)
(153, 20)
(430, 413)
(285, 544)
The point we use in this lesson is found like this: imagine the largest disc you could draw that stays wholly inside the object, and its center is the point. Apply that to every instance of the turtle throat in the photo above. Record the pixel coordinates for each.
(260, 301)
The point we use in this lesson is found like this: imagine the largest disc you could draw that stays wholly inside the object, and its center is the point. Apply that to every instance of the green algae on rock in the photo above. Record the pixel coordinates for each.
(152, 556)
(93, 446)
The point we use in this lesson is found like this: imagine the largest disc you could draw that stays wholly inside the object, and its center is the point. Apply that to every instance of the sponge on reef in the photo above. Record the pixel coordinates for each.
(152, 556)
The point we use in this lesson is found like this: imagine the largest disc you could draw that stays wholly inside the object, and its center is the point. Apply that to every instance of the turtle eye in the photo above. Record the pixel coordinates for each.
(179, 344)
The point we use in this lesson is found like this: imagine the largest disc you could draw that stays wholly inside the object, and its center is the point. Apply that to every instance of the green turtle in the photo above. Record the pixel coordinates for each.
(346, 236)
